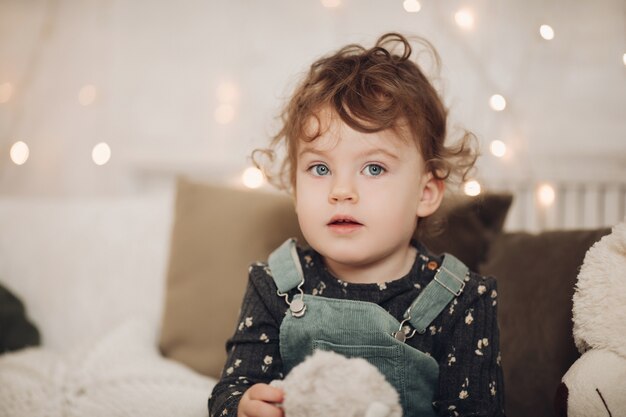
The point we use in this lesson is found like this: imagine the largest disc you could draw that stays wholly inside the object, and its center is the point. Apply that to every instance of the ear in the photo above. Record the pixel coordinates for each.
(432, 194)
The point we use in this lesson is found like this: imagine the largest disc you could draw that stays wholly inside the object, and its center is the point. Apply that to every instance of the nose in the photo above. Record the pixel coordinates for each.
(343, 191)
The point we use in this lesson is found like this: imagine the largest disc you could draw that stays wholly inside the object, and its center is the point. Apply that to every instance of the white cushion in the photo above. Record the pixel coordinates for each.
(80, 266)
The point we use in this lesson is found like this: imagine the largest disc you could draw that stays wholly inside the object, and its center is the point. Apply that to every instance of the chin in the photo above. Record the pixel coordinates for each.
(349, 253)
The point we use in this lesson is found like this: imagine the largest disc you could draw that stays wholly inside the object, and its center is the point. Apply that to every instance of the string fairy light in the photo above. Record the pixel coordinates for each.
(497, 102)
(228, 94)
(546, 32)
(101, 153)
(19, 153)
(412, 6)
(252, 177)
(464, 18)
(546, 195)
(497, 148)
(472, 188)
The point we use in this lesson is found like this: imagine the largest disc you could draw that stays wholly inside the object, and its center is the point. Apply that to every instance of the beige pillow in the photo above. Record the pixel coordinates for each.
(218, 232)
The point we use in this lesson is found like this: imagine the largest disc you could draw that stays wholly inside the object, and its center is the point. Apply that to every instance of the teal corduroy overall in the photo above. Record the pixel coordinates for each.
(366, 330)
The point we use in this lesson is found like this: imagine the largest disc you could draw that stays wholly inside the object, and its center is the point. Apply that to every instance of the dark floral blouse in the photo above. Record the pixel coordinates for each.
(464, 338)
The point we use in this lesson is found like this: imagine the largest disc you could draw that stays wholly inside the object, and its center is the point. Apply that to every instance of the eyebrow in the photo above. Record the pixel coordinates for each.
(364, 154)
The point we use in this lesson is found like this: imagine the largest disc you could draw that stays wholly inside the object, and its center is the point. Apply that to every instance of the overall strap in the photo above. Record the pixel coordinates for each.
(447, 284)
(285, 266)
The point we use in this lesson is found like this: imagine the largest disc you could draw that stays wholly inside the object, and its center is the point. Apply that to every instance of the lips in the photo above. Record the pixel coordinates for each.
(342, 224)
(343, 220)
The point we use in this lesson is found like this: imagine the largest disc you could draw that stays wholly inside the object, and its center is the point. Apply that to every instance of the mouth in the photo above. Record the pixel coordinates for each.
(344, 224)
(343, 220)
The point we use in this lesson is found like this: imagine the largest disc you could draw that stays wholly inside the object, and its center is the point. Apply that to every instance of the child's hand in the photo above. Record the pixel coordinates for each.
(259, 401)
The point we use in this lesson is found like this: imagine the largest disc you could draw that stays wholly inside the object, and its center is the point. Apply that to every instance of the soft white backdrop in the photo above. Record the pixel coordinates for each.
(157, 67)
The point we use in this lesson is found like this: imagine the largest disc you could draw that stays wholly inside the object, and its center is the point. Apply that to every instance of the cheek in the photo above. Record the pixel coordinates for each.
(394, 209)
(308, 214)
(307, 197)
(396, 197)
(398, 208)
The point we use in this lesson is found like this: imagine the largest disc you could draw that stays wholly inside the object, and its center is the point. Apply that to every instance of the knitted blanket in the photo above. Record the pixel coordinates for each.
(121, 374)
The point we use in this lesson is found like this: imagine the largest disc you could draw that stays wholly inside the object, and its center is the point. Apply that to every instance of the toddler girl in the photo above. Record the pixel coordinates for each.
(366, 163)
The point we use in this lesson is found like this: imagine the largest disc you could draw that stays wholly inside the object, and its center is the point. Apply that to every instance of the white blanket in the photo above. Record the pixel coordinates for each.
(120, 374)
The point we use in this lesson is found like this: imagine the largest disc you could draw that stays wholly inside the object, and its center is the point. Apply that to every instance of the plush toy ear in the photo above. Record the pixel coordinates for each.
(377, 409)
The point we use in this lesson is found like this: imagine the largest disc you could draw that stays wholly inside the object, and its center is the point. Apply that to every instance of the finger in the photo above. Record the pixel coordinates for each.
(264, 392)
(263, 409)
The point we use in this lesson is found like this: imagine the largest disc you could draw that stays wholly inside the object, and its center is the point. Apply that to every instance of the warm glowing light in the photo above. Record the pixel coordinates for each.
(101, 153)
(87, 95)
(546, 32)
(227, 92)
(465, 19)
(546, 195)
(497, 148)
(497, 102)
(19, 153)
(252, 177)
(331, 3)
(412, 6)
(472, 188)
(6, 91)
(224, 114)
(624, 59)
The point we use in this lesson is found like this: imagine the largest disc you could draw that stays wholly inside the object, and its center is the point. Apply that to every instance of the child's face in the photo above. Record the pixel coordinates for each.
(358, 196)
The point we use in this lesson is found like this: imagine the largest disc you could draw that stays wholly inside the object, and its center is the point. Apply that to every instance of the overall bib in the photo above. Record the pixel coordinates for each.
(364, 329)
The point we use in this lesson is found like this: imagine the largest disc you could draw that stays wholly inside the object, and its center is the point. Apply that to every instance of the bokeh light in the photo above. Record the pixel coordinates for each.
(19, 153)
(252, 177)
(465, 19)
(472, 188)
(497, 148)
(412, 6)
(546, 32)
(497, 102)
(101, 153)
(546, 195)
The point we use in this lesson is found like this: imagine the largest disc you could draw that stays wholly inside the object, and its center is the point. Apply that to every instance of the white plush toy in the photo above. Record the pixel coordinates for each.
(595, 385)
(331, 385)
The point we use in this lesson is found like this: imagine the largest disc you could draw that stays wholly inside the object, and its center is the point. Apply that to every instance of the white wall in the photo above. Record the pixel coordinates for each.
(157, 66)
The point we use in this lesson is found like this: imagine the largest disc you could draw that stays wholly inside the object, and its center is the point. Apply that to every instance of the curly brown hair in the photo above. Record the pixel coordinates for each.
(370, 90)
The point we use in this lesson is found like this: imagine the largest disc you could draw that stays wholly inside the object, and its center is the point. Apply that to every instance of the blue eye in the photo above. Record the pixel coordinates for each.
(319, 170)
(373, 170)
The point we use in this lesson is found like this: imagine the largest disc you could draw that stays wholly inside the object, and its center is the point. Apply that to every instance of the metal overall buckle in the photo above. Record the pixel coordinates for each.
(296, 306)
(401, 335)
